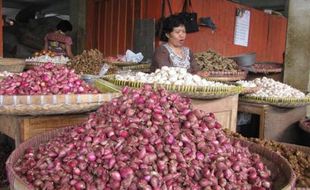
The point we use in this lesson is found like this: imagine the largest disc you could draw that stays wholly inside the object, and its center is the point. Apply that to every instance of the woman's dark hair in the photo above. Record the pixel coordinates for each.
(169, 23)
(64, 26)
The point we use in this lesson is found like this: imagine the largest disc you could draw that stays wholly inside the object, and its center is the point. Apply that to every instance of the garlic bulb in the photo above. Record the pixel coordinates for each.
(272, 88)
(45, 58)
(170, 75)
(247, 84)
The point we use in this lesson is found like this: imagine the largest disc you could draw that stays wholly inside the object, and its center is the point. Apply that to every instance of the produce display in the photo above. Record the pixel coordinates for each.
(272, 88)
(212, 61)
(45, 79)
(47, 56)
(299, 161)
(170, 75)
(144, 139)
(89, 62)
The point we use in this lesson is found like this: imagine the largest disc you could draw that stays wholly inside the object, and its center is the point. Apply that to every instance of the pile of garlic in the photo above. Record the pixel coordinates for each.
(45, 58)
(272, 88)
(247, 84)
(170, 75)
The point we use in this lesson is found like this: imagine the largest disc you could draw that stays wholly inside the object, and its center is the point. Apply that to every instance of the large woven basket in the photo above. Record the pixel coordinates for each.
(279, 102)
(198, 92)
(282, 174)
(12, 65)
(52, 104)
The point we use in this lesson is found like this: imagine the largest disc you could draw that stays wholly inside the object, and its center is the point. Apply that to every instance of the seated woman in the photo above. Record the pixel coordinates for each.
(173, 53)
(58, 42)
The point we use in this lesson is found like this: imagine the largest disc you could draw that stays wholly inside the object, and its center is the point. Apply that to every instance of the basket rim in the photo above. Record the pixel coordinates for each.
(280, 102)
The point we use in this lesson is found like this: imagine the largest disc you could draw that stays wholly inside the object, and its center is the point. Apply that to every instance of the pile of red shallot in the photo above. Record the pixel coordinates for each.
(144, 139)
(45, 79)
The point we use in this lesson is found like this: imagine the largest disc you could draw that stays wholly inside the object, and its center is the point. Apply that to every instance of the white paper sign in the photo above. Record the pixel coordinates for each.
(242, 28)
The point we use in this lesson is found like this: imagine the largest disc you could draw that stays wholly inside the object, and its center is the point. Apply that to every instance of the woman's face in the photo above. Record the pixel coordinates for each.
(177, 36)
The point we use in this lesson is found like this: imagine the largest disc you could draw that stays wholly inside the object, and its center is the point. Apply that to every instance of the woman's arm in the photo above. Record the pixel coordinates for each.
(68, 47)
(194, 66)
(45, 43)
(69, 51)
(160, 58)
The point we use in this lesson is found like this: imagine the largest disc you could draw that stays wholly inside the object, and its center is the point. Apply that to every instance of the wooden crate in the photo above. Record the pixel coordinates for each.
(225, 110)
(21, 128)
(275, 123)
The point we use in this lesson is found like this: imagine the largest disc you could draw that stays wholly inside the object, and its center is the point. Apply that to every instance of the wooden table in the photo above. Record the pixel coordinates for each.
(225, 110)
(21, 128)
(274, 123)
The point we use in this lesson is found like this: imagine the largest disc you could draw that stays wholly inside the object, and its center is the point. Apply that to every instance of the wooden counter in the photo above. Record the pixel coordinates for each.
(225, 110)
(21, 128)
(275, 123)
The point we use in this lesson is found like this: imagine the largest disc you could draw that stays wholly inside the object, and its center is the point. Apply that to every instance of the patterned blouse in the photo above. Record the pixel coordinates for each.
(57, 42)
(164, 56)
(178, 61)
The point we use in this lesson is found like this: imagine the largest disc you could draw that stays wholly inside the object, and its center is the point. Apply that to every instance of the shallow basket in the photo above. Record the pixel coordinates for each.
(279, 102)
(52, 104)
(196, 92)
(32, 64)
(12, 65)
(281, 172)
(224, 76)
(270, 67)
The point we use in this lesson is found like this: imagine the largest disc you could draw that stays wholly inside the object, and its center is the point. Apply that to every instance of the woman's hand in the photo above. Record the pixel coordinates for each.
(203, 74)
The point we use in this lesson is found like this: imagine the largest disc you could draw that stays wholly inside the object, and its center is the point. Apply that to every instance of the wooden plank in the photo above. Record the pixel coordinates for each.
(32, 126)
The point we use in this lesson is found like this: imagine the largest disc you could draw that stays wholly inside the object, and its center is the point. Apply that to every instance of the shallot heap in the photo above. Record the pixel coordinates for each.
(45, 79)
(144, 139)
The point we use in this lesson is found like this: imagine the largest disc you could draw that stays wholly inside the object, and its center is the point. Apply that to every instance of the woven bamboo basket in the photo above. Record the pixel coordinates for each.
(196, 92)
(32, 64)
(224, 76)
(105, 86)
(282, 174)
(121, 63)
(304, 149)
(266, 67)
(12, 65)
(52, 104)
(279, 102)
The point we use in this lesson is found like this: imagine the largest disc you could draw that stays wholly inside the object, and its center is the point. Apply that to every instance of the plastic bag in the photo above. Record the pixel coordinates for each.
(132, 57)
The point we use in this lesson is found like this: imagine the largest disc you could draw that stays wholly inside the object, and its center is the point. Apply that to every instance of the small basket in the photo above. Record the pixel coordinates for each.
(12, 65)
(32, 64)
(266, 67)
(279, 102)
(224, 76)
